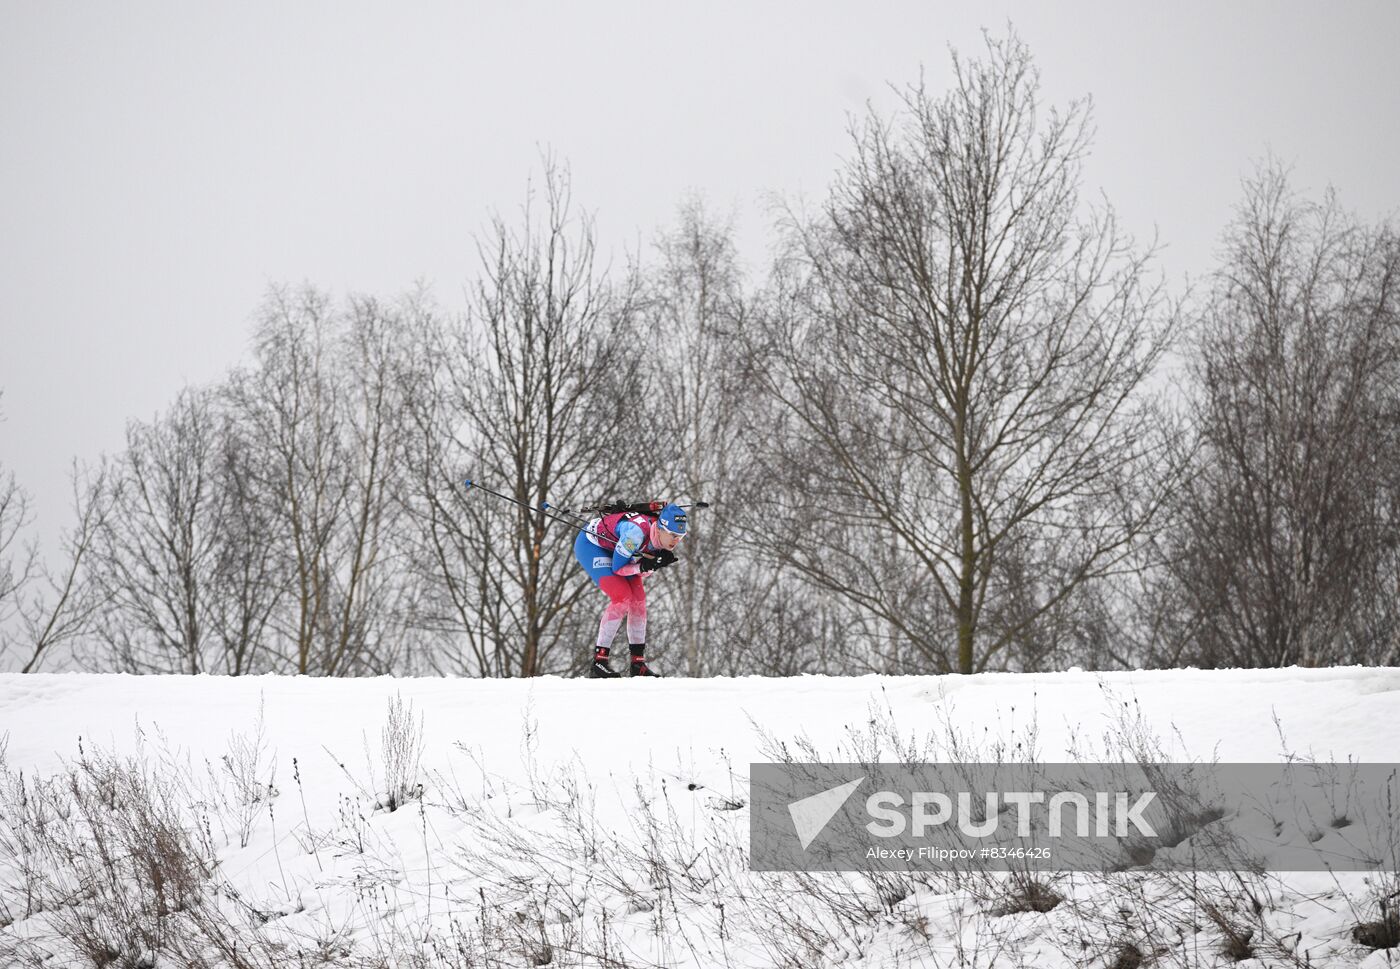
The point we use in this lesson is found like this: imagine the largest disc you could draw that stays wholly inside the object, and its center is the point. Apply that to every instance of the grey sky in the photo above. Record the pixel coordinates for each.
(160, 164)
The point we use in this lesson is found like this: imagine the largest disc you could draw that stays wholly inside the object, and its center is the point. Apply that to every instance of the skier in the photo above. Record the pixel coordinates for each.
(616, 551)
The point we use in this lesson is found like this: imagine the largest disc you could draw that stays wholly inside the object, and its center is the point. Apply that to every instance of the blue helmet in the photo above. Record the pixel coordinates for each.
(673, 519)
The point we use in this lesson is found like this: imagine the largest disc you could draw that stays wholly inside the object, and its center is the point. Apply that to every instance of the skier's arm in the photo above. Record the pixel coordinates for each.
(630, 538)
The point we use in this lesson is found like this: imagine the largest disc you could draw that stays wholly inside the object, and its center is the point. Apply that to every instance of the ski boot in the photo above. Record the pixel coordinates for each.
(638, 666)
(600, 670)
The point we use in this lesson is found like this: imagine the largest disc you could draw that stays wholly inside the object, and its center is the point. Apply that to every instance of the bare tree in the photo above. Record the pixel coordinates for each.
(255, 526)
(695, 307)
(19, 562)
(59, 614)
(964, 356)
(322, 417)
(446, 539)
(154, 556)
(536, 400)
(1289, 543)
(246, 576)
(372, 599)
(291, 403)
(184, 560)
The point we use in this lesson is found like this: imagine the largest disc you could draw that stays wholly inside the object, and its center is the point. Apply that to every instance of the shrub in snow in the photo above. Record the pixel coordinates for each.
(401, 750)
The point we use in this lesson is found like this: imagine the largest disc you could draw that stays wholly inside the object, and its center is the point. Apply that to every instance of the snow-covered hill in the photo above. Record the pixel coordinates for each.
(596, 823)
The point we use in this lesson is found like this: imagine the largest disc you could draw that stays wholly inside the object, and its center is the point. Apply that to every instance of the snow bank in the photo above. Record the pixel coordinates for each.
(527, 799)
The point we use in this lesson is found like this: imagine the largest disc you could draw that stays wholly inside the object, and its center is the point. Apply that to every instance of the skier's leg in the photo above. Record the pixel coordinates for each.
(637, 612)
(637, 630)
(619, 605)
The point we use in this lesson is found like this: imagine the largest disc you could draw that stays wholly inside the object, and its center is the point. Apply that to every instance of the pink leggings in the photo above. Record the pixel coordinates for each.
(626, 600)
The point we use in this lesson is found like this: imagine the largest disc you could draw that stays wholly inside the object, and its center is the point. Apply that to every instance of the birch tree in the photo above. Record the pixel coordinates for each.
(1288, 550)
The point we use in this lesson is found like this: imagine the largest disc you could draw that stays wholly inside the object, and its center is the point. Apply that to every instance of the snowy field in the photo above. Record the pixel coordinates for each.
(271, 821)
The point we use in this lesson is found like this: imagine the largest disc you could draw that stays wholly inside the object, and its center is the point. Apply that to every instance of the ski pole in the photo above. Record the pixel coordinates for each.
(544, 509)
(581, 519)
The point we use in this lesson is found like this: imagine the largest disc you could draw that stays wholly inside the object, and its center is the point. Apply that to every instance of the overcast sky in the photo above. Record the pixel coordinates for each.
(161, 164)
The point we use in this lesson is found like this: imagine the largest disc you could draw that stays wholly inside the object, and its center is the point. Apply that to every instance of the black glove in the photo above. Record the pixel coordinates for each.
(660, 560)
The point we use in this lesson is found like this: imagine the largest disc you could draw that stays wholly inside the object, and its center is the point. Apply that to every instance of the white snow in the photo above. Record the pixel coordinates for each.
(605, 823)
